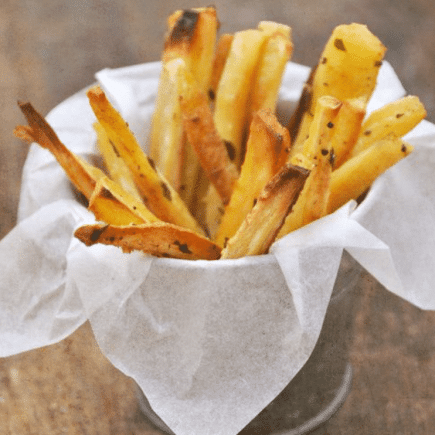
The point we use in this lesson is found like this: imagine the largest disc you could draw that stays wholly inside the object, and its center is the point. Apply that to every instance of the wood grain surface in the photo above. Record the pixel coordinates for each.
(50, 49)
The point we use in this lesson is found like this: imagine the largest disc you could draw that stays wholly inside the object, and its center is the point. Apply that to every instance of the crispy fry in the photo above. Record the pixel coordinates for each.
(259, 229)
(266, 142)
(167, 138)
(398, 118)
(267, 81)
(203, 137)
(115, 166)
(83, 175)
(347, 129)
(192, 37)
(158, 195)
(220, 57)
(303, 106)
(110, 203)
(322, 127)
(273, 27)
(355, 176)
(159, 238)
(214, 209)
(347, 69)
(232, 94)
(318, 157)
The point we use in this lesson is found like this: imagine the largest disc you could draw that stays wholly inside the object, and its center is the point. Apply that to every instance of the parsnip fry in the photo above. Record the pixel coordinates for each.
(398, 118)
(159, 239)
(267, 81)
(110, 203)
(322, 127)
(347, 69)
(203, 137)
(273, 27)
(264, 150)
(115, 166)
(158, 195)
(192, 37)
(355, 176)
(214, 209)
(220, 57)
(167, 139)
(259, 229)
(318, 157)
(83, 175)
(347, 129)
(231, 111)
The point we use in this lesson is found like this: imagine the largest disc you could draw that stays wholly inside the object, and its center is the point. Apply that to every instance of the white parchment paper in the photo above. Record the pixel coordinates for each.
(210, 343)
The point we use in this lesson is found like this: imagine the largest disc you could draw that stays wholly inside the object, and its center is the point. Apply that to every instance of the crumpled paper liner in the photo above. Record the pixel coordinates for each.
(211, 343)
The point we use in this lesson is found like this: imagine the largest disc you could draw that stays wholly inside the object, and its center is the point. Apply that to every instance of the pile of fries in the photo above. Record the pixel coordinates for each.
(223, 178)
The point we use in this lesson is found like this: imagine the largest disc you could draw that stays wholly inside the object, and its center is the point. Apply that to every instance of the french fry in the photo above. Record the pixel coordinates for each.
(317, 187)
(231, 111)
(259, 229)
(273, 27)
(214, 209)
(203, 137)
(115, 166)
(347, 69)
(83, 175)
(220, 57)
(398, 118)
(274, 57)
(111, 204)
(318, 157)
(158, 195)
(323, 127)
(268, 142)
(347, 129)
(303, 106)
(167, 138)
(357, 174)
(192, 37)
(159, 239)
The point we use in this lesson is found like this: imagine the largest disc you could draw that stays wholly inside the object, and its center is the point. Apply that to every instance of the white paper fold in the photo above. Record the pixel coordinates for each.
(210, 343)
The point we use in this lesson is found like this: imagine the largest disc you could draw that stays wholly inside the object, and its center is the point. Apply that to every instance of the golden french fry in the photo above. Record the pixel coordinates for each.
(303, 106)
(259, 229)
(116, 167)
(267, 81)
(267, 138)
(213, 210)
(317, 187)
(203, 137)
(167, 138)
(192, 37)
(347, 69)
(110, 203)
(158, 195)
(323, 127)
(231, 111)
(398, 118)
(347, 128)
(318, 157)
(273, 27)
(83, 175)
(357, 174)
(220, 57)
(159, 238)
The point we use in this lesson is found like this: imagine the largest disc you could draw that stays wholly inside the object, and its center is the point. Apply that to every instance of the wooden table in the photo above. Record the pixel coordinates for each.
(51, 49)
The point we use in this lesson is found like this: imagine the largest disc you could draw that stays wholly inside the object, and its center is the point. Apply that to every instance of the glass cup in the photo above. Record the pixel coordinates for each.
(323, 383)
